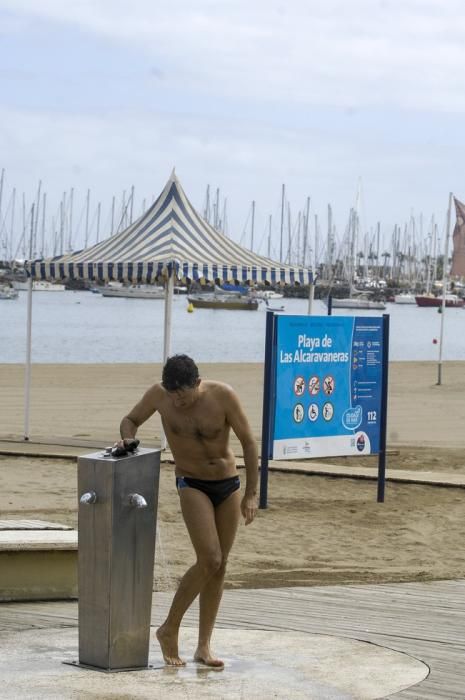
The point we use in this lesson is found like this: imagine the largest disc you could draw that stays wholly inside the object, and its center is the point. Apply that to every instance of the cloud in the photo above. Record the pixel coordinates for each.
(244, 96)
(407, 54)
(112, 152)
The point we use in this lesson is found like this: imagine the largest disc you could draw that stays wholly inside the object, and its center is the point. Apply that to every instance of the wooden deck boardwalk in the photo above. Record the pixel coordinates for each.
(424, 620)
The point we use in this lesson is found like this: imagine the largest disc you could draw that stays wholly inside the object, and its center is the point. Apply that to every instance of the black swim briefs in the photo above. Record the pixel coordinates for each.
(217, 490)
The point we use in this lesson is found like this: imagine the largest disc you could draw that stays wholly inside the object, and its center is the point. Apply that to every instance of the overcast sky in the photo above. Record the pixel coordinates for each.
(243, 95)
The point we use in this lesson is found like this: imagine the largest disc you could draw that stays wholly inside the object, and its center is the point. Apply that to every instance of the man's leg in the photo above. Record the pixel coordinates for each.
(227, 517)
(199, 516)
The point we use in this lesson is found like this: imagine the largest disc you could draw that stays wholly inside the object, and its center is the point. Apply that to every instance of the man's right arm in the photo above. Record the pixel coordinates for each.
(141, 412)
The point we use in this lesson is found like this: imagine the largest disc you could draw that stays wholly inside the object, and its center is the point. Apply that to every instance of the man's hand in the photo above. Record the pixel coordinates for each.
(249, 508)
(122, 447)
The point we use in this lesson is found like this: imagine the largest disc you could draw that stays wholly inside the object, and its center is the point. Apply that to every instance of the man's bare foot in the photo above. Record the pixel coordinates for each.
(169, 646)
(204, 656)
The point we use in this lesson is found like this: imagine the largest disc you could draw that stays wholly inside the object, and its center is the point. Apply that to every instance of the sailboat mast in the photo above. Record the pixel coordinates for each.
(42, 233)
(307, 213)
(36, 219)
(98, 220)
(225, 216)
(206, 214)
(132, 205)
(113, 214)
(12, 222)
(289, 234)
(353, 226)
(23, 238)
(2, 177)
(429, 257)
(70, 232)
(435, 253)
(269, 236)
(252, 225)
(217, 208)
(62, 225)
(329, 255)
(87, 219)
(282, 225)
(123, 212)
(317, 243)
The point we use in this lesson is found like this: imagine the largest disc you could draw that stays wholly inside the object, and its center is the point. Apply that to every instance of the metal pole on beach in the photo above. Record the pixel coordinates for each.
(27, 376)
(268, 408)
(444, 289)
(384, 408)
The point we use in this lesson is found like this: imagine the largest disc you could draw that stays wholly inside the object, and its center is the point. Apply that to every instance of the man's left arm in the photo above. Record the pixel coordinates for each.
(238, 421)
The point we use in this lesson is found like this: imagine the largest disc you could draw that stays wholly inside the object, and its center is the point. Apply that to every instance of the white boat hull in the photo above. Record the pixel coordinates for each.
(134, 292)
(20, 286)
(358, 304)
(207, 301)
(8, 293)
(269, 295)
(43, 286)
(404, 299)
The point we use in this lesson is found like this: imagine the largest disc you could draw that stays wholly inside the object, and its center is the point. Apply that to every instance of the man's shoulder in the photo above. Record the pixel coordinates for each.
(218, 390)
(156, 391)
(215, 386)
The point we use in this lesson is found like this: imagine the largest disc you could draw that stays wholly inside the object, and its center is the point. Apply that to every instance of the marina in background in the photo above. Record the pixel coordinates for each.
(80, 327)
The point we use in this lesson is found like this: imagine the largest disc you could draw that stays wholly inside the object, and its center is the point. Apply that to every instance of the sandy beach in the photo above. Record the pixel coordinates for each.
(317, 530)
(88, 401)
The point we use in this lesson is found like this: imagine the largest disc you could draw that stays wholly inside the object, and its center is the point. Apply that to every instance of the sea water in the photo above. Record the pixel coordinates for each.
(82, 327)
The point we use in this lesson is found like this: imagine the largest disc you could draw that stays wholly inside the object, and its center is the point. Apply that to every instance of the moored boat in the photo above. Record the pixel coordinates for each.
(7, 292)
(268, 294)
(428, 300)
(358, 301)
(20, 285)
(226, 301)
(44, 286)
(135, 291)
(404, 298)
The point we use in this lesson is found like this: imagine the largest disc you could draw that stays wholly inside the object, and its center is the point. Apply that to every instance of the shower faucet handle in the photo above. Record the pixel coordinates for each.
(88, 498)
(137, 501)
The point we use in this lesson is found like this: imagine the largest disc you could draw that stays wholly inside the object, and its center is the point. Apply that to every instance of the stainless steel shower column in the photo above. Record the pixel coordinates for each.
(117, 523)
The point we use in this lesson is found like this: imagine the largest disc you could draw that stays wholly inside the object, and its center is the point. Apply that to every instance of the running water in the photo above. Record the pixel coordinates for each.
(163, 579)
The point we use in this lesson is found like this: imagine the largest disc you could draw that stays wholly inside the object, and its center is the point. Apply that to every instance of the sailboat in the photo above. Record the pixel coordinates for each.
(223, 299)
(134, 291)
(7, 292)
(405, 298)
(361, 299)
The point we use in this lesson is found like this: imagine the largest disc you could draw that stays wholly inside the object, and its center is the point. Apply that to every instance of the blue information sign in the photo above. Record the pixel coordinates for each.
(328, 386)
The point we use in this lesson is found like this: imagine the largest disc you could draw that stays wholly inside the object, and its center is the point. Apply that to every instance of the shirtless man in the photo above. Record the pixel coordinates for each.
(197, 416)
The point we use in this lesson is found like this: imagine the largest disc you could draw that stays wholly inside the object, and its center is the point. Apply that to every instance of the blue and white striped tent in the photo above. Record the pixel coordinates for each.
(169, 238)
(170, 241)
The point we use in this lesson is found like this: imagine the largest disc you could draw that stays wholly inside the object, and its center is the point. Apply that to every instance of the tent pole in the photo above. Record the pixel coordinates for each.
(169, 292)
(27, 376)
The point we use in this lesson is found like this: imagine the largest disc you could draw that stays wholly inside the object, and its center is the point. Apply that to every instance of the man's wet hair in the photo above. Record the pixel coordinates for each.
(179, 372)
